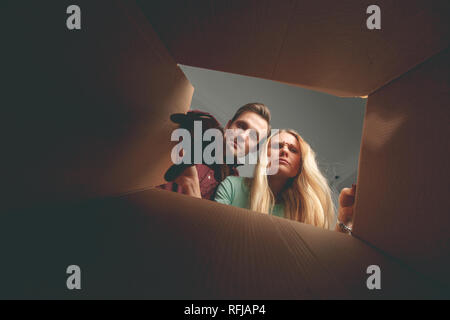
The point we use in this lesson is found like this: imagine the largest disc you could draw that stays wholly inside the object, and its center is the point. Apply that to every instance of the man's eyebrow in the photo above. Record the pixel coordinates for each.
(241, 122)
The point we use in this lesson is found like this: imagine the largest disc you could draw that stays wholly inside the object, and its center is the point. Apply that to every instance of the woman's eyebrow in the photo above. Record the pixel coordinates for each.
(289, 145)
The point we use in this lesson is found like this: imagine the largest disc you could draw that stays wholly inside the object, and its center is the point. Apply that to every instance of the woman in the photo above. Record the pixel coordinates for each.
(297, 190)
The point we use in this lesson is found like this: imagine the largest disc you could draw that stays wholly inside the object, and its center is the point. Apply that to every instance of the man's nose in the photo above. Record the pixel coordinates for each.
(244, 135)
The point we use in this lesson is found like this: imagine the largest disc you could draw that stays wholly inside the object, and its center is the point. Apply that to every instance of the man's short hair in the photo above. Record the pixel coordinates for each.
(258, 108)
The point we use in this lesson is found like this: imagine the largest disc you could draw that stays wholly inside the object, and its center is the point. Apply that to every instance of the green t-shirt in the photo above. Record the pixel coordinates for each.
(234, 191)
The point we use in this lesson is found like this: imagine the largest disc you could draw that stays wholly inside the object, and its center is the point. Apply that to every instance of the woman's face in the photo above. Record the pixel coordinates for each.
(287, 148)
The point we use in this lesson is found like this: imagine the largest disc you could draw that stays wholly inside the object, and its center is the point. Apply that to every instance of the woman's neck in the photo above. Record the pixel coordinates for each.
(276, 184)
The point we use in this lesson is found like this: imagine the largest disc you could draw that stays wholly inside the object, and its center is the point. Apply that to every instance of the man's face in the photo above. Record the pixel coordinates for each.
(246, 131)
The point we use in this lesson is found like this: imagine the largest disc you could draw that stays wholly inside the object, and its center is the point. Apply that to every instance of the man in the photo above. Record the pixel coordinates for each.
(200, 180)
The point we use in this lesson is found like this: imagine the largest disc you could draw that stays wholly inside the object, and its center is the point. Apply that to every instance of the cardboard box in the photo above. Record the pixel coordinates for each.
(403, 169)
(83, 107)
(87, 110)
(321, 45)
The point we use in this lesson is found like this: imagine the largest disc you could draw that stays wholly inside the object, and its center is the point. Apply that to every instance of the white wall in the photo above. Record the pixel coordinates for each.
(331, 125)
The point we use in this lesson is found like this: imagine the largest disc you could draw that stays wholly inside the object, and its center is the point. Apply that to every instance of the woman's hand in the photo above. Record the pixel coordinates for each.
(345, 211)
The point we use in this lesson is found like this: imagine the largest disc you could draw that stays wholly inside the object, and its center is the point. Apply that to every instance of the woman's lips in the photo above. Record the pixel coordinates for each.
(284, 161)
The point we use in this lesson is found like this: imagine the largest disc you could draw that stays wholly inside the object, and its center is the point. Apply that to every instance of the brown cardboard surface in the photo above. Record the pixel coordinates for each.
(159, 244)
(90, 111)
(90, 119)
(402, 198)
(321, 45)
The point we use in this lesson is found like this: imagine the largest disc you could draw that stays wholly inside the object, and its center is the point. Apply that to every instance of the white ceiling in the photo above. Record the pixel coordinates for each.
(331, 125)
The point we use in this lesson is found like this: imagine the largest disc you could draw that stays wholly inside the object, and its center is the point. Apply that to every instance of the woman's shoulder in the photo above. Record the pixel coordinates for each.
(240, 184)
(234, 182)
(234, 190)
(230, 190)
(234, 179)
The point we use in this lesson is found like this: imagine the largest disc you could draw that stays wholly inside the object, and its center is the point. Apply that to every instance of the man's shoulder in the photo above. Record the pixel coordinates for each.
(203, 169)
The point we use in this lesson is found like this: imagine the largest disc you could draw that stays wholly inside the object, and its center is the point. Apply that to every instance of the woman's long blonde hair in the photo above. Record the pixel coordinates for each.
(307, 198)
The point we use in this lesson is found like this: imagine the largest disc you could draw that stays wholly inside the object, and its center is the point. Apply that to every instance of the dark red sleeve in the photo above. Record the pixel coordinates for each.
(170, 186)
(208, 183)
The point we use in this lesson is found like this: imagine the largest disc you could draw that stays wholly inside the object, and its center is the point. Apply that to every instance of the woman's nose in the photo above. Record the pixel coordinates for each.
(283, 151)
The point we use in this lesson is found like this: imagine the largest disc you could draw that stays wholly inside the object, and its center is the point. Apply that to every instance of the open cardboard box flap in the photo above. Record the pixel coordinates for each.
(320, 45)
(88, 111)
(403, 196)
(160, 244)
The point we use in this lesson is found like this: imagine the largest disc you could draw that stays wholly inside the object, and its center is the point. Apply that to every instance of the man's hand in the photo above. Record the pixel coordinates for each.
(189, 183)
(187, 121)
(345, 211)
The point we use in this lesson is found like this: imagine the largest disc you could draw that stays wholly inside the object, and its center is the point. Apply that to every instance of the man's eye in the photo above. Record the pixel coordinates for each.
(242, 125)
